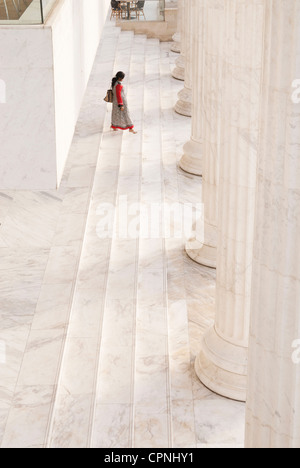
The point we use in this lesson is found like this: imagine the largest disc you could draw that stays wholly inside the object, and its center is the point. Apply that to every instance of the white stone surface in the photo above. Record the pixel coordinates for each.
(47, 74)
(184, 103)
(74, 47)
(222, 363)
(27, 122)
(131, 309)
(273, 419)
(40, 238)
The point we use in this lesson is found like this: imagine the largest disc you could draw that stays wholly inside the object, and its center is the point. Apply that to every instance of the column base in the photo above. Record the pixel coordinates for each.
(176, 45)
(222, 366)
(203, 254)
(191, 161)
(179, 70)
(184, 105)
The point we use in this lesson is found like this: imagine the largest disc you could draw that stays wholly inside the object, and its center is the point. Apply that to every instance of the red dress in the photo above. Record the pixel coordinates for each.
(120, 119)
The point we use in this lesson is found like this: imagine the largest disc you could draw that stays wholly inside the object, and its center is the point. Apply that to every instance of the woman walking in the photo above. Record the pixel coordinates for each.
(120, 118)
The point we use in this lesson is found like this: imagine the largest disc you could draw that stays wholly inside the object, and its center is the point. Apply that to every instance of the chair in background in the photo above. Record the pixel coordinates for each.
(115, 9)
(138, 8)
(115, 13)
(125, 9)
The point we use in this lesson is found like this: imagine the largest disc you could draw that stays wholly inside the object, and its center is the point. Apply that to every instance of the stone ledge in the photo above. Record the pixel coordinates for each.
(162, 30)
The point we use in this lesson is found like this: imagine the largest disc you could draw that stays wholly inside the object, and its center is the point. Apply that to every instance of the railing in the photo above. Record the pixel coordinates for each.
(24, 11)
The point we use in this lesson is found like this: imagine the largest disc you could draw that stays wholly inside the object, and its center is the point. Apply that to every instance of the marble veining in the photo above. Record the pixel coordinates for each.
(100, 335)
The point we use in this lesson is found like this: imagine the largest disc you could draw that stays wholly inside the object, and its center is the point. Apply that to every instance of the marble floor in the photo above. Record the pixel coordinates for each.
(100, 326)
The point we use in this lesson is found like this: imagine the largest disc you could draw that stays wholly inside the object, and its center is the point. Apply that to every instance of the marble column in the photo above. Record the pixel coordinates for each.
(273, 402)
(191, 160)
(179, 70)
(204, 251)
(176, 44)
(222, 362)
(184, 103)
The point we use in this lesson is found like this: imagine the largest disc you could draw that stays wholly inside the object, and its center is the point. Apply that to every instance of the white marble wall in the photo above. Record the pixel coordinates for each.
(2, 92)
(74, 48)
(46, 70)
(27, 130)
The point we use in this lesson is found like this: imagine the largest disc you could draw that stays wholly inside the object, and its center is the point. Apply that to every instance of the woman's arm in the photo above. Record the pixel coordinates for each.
(119, 95)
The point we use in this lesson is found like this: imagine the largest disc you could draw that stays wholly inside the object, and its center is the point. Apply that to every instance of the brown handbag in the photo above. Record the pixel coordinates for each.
(109, 96)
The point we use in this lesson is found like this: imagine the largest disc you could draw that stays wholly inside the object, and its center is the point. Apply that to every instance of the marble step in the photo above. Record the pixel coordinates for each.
(132, 362)
(105, 357)
(181, 372)
(33, 382)
(73, 414)
(112, 420)
(152, 417)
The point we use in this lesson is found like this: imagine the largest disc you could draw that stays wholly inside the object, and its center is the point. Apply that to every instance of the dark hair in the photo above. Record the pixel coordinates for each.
(119, 76)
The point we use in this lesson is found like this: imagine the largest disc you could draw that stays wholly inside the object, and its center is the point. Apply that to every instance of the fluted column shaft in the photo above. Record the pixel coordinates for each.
(204, 251)
(179, 70)
(273, 403)
(176, 44)
(222, 363)
(191, 161)
(184, 103)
